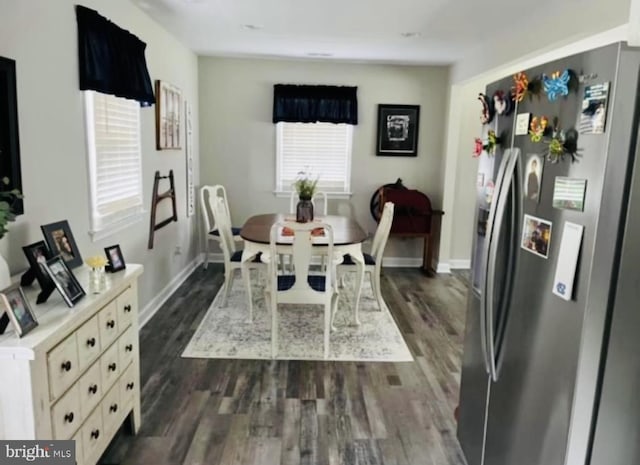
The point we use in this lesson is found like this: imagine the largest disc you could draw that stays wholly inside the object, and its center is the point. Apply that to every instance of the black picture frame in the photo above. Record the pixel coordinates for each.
(398, 127)
(16, 306)
(60, 240)
(9, 135)
(116, 260)
(64, 280)
(37, 255)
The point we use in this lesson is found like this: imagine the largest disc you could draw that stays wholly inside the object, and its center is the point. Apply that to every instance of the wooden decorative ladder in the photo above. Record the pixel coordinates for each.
(156, 199)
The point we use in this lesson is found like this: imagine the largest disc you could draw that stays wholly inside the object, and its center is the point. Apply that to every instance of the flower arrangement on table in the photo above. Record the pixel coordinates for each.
(97, 261)
(305, 185)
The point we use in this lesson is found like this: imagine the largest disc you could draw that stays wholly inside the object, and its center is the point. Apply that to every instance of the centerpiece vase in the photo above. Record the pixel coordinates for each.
(304, 210)
(97, 280)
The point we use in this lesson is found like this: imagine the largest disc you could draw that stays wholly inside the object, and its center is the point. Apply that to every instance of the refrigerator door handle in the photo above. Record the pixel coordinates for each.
(486, 285)
(490, 305)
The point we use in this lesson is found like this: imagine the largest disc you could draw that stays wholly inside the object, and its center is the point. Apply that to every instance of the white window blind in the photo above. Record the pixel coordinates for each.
(323, 149)
(115, 168)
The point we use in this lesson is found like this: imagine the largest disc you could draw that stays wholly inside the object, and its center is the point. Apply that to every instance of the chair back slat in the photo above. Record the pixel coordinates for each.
(382, 233)
(221, 215)
(302, 252)
(207, 195)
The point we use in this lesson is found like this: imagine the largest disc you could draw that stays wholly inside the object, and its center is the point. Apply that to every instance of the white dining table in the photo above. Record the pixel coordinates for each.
(348, 237)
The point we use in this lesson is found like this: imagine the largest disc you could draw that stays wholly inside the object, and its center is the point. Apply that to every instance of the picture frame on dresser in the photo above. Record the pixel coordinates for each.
(64, 280)
(60, 241)
(15, 304)
(116, 260)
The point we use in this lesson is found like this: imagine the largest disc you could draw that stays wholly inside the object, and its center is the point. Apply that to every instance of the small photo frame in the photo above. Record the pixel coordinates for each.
(398, 127)
(37, 255)
(116, 260)
(65, 281)
(61, 242)
(16, 305)
(536, 236)
(533, 177)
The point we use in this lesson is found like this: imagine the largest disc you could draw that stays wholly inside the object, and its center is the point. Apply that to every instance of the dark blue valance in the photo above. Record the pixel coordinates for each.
(111, 59)
(311, 104)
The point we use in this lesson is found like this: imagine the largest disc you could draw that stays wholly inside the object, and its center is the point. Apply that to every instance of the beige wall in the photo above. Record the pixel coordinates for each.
(41, 36)
(238, 137)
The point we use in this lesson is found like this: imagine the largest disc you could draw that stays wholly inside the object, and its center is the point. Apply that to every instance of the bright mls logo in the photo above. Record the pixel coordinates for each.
(37, 452)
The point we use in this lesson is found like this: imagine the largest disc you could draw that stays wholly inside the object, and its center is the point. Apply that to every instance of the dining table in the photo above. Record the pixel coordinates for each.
(348, 237)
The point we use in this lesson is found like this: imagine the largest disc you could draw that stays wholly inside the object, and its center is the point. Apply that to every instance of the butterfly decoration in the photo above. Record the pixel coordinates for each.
(524, 86)
(501, 103)
(490, 145)
(538, 127)
(557, 85)
(486, 115)
(563, 143)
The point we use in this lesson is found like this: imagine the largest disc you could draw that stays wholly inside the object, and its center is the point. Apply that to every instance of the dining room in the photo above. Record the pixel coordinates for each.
(249, 330)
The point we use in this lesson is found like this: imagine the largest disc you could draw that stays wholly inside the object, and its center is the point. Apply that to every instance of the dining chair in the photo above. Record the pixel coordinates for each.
(232, 256)
(301, 287)
(372, 261)
(319, 195)
(211, 230)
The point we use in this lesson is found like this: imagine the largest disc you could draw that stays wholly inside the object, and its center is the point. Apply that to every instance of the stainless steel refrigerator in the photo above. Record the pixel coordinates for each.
(549, 381)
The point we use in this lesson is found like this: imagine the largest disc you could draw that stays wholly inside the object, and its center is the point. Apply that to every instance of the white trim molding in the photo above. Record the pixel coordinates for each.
(458, 264)
(443, 268)
(154, 305)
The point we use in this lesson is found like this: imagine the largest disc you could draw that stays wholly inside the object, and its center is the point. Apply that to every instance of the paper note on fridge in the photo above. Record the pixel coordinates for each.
(567, 260)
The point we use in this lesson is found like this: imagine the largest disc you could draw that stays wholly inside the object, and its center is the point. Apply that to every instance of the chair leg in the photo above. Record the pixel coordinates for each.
(274, 326)
(327, 325)
(228, 281)
(334, 309)
(375, 281)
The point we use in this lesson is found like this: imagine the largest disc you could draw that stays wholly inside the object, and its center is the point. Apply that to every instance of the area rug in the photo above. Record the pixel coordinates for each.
(225, 332)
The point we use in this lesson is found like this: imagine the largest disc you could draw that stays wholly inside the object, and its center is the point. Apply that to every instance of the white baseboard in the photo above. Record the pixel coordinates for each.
(443, 267)
(154, 305)
(455, 264)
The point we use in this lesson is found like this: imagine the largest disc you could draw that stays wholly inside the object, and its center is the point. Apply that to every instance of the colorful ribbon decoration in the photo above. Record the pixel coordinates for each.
(537, 128)
(556, 85)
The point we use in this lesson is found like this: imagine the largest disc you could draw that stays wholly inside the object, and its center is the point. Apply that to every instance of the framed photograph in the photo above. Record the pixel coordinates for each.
(116, 260)
(16, 305)
(60, 241)
(533, 177)
(536, 236)
(65, 281)
(37, 256)
(398, 130)
(168, 106)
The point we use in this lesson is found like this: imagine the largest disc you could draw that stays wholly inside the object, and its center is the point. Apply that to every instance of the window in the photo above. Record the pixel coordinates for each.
(115, 166)
(324, 149)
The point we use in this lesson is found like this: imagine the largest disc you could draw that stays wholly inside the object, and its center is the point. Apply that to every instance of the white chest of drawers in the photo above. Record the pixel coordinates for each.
(77, 374)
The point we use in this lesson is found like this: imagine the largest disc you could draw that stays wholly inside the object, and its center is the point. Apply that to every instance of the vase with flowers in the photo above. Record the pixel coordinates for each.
(97, 274)
(305, 186)
(6, 215)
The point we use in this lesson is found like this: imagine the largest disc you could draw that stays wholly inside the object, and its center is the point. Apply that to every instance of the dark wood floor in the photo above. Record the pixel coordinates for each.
(241, 412)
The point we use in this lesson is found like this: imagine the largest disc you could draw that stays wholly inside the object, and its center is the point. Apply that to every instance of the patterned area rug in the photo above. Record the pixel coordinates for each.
(225, 332)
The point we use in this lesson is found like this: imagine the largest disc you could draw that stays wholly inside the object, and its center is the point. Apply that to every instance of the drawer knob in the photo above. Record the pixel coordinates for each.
(128, 347)
(93, 388)
(129, 386)
(66, 366)
(111, 324)
(112, 367)
(69, 417)
(91, 342)
(113, 408)
(127, 308)
(95, 433)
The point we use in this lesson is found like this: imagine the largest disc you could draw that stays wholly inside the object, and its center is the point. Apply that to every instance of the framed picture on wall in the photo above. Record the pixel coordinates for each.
(398, 130)
(168, 116)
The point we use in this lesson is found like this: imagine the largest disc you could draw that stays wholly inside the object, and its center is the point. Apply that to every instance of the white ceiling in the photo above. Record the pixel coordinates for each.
(355, 30)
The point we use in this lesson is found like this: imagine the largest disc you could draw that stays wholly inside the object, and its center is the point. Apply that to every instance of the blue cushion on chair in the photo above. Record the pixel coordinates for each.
(235, 231)
(368, 260)
(237, 256)
(286, 282)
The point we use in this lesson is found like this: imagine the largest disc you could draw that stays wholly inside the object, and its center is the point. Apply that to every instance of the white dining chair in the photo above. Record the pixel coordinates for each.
(301, 287)
(232, 255)
(318, 196)
(372, 261)
(211, 230)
